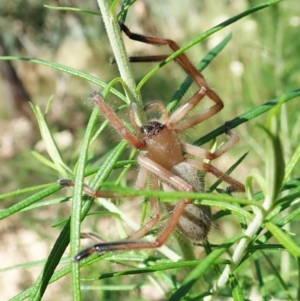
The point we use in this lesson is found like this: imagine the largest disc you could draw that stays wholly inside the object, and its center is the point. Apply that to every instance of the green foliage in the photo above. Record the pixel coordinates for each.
(264, 221)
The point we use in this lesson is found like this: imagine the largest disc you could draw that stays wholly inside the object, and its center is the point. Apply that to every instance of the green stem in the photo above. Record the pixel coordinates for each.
(115, 37)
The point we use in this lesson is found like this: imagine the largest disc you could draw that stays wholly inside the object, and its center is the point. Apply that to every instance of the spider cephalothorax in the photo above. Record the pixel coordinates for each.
(162, 158)
(152, 128)
(161, 144)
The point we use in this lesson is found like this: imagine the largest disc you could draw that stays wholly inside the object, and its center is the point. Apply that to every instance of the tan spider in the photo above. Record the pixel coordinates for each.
(162, 161)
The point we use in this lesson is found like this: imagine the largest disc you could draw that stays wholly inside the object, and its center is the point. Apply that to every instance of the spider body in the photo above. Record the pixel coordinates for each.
(162, 159)
(161, 144)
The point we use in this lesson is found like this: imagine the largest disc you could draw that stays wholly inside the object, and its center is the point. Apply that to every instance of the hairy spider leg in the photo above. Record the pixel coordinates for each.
(235, 186)
(188, 67)
(178, 210)
(97, 99)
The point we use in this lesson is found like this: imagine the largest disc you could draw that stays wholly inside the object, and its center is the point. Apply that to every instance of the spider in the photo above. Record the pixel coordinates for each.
(162, 158)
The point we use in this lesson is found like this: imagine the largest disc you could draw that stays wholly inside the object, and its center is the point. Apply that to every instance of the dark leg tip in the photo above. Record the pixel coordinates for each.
(122, 26)
(84, 254)
(227, 128)
(112, 61)
(64, 182)
(76, 259)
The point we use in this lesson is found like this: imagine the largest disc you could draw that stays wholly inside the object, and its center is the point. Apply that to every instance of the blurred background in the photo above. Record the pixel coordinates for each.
(260, 62)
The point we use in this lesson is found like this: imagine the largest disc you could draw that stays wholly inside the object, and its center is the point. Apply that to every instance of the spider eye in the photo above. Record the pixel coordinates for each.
(152, 128)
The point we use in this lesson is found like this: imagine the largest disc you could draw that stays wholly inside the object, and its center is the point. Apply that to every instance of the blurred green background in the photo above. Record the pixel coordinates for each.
(260, 62)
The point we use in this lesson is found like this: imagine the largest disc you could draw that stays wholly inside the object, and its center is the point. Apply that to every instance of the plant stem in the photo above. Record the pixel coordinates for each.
(114, 34)
(241, 247)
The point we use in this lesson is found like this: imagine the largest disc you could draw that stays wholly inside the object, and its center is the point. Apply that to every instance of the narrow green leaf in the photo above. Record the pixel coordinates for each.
(28, 201)
(261, 284)
(205, 264)
(44, 160)
(65, 69)
(291, 164)
(276, 273)
(124, 9)
(210, 199)
(252, 113)
(236, 290)
(77, 203)
(149, 269)
(24, 190)
(274, 168)
(284, 239)
(73, 9)
(272, 247)
(50, 142)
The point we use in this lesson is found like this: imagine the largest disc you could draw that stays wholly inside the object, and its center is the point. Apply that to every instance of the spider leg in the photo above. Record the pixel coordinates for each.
(138, 244)
(148, 58)
(164, 174)
(203, 153)
(178, 210)
(153, 106)
(90, 235)
(182, 59)
(189, 68)
(140, 183)
(157, 106)
(115, 122)
(90, 191)
(235, 186)
(183, 110)
(155, 212)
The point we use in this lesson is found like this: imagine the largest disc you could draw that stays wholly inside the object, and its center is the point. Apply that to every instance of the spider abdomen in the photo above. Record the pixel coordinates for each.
(195, 222)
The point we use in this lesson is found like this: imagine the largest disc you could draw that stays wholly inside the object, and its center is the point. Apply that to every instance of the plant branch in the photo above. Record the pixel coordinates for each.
(115, 37)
